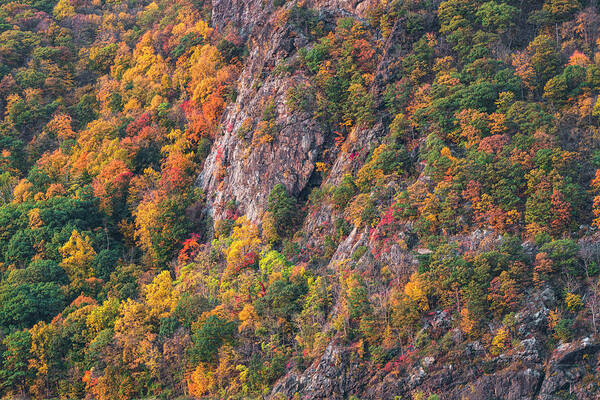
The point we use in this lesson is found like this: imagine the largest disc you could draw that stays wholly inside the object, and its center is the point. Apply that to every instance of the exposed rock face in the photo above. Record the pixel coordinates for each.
(242, 15)
(251, 168)
(249, 16)
(509, 385)
(245, 172)
(339, 373)
(567, 369)
(336, 376)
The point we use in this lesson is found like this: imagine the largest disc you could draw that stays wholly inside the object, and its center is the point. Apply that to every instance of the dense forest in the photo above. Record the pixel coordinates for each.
(299, 199)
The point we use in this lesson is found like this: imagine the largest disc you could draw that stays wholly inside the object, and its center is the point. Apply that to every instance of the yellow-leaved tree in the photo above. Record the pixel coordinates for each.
(43, 347)
(77, 256)
(103, 316)
(416, 289)
(161, 299)
(245, 246)
(64, 9)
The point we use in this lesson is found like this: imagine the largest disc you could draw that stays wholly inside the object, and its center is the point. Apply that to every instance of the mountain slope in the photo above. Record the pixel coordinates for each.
(315, 199)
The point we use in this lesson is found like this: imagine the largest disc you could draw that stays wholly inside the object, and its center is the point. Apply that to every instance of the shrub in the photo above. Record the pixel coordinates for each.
(342, 194)
(500, 342)
(213, 333)
(282, 207)
(563, 330)
(573, 302)
(359, 252)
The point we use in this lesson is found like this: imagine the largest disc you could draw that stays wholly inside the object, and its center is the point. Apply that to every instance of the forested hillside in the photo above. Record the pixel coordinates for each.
(299, 199)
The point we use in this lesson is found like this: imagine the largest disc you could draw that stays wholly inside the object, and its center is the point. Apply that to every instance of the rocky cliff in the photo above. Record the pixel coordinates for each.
(289, 156)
